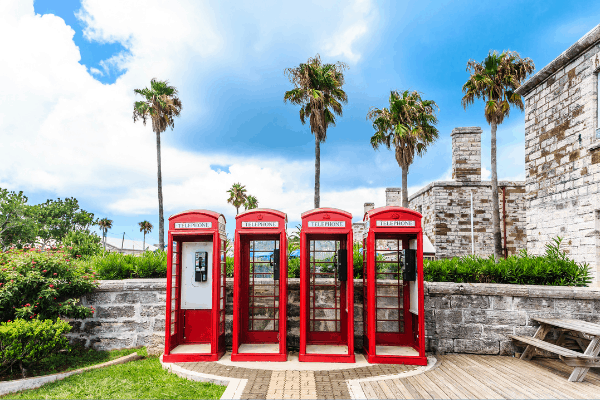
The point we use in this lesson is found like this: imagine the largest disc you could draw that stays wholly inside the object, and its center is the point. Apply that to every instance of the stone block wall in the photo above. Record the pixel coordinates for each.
(446, 209)
(466, 153)
(562, 153)
(460, 318)
(476, 318)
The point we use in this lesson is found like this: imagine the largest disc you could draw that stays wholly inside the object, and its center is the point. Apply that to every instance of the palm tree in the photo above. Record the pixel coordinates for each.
(237, 196)
(494, 81)
(146, 227)
(408, 126)
(251, 203)
(318, 91)
(105, 224)
(161, 105)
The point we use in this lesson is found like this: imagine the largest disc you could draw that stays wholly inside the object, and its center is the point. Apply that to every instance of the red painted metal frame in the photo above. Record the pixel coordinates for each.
(242, 237)
(217, 339)
(326, 233)
(414, 326)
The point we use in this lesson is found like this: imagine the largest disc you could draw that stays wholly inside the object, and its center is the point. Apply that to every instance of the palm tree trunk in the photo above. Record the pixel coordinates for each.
(495, 202)
(317, 172)
(144, 245)
(161, 221)
(237, 211)
(404, 186)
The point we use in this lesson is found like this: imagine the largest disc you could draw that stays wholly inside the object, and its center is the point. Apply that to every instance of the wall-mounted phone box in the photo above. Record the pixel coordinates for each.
(196, 275)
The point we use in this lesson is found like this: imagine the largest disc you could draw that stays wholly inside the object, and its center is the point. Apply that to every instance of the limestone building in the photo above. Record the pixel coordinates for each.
(562, 152)
(446, 205)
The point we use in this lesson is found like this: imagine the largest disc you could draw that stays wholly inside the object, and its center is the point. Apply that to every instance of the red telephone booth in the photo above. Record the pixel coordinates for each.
(195, 324)
(326, 286)
(393, 311)
(260, 292)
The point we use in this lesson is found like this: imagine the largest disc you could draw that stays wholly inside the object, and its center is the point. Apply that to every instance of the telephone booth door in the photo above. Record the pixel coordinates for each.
(196, 268)
(393, 312)
(326, 286)
(260, 292)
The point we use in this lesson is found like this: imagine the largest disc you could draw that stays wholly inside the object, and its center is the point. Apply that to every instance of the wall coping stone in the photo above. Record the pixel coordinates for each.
(500, 289)
(466, 129)
(462, 184)
(431, 288)
(587, 41)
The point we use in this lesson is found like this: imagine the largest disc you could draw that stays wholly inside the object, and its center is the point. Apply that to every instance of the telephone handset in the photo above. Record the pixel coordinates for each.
(409, 258)
(341, 263)
(275, 264)
(201, 266)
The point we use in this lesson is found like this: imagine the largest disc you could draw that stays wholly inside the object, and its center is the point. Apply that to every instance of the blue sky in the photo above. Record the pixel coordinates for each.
(67, 130)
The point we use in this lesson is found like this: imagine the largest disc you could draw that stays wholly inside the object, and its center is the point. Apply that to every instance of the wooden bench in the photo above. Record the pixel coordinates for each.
(580, 331)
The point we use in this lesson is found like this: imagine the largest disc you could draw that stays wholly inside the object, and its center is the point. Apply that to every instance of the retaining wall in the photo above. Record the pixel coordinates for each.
(459, 317)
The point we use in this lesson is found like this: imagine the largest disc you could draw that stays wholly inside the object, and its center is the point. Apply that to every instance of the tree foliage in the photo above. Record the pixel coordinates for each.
(250, 203)
(318, 91)
(56, 218)
(17, 227)
(237, 196)
(407, 127)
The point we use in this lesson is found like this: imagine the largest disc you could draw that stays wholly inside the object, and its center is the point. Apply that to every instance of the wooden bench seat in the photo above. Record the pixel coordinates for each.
(552, 348)
(580, 331)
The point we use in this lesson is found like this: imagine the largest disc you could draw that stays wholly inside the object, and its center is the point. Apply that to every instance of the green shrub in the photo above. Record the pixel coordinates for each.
(229, 266)
(26, 343)
(552, 268)
(294, 267)
(43, 284)
(82, 244)
(125, 266)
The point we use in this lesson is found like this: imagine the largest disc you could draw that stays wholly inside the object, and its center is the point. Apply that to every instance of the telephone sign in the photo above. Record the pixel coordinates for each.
(260, 224)
(395, 223)
(326, 224)
(193, 225)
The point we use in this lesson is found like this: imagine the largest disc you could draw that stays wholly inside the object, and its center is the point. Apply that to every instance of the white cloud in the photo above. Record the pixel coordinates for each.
(62, 131)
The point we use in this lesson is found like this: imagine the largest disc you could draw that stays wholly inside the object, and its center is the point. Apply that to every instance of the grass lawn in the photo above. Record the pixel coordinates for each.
(143, 379)
(78, 357)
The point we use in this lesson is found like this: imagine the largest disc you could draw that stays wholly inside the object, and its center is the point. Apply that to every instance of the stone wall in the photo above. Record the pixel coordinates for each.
(562, 153)
(460, 318)
(446, 210)
(466, 154)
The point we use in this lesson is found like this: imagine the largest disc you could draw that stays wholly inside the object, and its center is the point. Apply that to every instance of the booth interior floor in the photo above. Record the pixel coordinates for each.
(268, 348)
(326, 349)
(192, 348)
(395, 351)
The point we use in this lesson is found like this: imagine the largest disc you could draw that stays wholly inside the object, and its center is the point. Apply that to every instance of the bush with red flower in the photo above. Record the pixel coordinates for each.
(43, 284)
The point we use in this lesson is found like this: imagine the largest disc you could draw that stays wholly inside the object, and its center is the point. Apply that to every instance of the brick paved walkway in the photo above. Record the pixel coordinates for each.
(453, 376)
(292, 384)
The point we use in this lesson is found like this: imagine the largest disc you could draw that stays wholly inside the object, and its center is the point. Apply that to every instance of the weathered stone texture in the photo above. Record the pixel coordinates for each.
(446, 206)
(461, 318)
(562, 161)
(446, 209)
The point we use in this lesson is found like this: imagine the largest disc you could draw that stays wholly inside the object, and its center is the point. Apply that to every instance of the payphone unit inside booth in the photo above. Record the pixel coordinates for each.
(393, 310)
(326, 286)
(260, 291)
(196, 271)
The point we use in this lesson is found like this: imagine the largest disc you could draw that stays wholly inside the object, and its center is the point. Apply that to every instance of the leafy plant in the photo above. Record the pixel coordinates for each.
(229, 266)
(48, 284)
(26, 343)
(294, 267)
(149, 264)
(237, 196)
(82, 244)
(552, 268)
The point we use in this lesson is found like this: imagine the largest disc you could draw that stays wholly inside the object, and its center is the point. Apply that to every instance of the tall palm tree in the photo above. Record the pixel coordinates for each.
(494, 81)
(318, 91)
(161, 105)
(251, 203)
(105, 224)
(237, 196)
(408, 126)
(146, 227)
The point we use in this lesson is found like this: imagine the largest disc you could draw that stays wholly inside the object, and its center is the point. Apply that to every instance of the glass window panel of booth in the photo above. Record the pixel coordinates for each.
(324, 316)
(263, 289)
(222, 286)
(389, 296)
(174, 285)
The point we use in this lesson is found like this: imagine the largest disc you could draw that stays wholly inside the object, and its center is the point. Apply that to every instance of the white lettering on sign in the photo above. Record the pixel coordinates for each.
(193, 225)
(326, 224)
(395, 223)
(260, 224)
